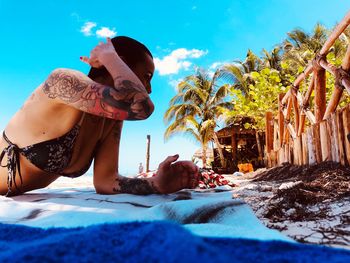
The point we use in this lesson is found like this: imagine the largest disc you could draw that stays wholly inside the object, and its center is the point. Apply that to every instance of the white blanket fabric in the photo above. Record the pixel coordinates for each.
(210, 213)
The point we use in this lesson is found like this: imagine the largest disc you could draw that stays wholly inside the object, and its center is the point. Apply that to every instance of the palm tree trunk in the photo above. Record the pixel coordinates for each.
(221, 154)
(204, 156)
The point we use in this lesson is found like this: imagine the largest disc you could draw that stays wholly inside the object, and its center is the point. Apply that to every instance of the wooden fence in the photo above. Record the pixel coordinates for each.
(326, 137)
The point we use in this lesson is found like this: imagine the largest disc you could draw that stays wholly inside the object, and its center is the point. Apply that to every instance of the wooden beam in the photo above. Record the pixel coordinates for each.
(296, 112)
(280, 119)
(306, 99)
(310, 146)
(148, 150)
(285, 98)
(305, 159)
(301, 123)
(346, 126)
(333, 102)
(341, 137)
(325, 142)
(308, 113)
(286, 114)
(335, 34)
(320, 93)
(233, 145)
(269, 132)
(317, 142)
(333, 132)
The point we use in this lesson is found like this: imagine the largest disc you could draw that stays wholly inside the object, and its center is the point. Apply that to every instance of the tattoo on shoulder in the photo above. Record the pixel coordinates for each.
(64, 85)
(135, 186)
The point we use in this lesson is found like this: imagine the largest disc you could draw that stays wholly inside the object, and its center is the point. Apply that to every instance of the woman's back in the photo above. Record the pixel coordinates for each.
(42, 122)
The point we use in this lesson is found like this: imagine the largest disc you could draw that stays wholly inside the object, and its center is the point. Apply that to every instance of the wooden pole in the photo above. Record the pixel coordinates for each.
(148, 152)
(285, 98)
(309, 91)
(305, 149)
(346, 61)
(258, 143)
(333, 131)
(301, 123)
(328, 66)
(320, 93)
(280, 119)
(298, 152)
(269, 132)
(325, 142)
(338, 91)
(308, 113)
(296, 113)
(303, 75)
(275, 135)
(310, 146)
(335, 34)
(346, 66)
(346, 125)
(269, 137)
(234, 145)
(333, 102)
(286, 115)
(341, 137)
(317, 142)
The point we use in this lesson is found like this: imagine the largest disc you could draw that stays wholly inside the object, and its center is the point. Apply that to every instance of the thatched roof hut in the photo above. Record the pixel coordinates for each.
(241, 144)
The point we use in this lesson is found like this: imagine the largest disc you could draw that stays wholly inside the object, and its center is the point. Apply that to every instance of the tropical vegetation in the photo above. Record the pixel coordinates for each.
(247, 88)
(195, 110)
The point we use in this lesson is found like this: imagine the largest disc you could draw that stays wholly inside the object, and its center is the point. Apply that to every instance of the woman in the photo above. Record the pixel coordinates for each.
(72, 119)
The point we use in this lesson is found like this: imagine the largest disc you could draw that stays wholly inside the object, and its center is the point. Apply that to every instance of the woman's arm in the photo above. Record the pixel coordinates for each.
(106, 178)
(129, 101)
(171, 176)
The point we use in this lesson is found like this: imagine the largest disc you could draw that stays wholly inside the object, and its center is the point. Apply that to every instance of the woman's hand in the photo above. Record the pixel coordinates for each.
(173, 176)
(101, 54)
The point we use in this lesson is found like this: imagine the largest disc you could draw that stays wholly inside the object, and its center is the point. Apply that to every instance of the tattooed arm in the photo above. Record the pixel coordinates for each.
(134, 186)
(106, 177)
(129, 101)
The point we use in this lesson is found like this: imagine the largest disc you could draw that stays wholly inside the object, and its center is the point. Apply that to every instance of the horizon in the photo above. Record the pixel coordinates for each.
(38, 40)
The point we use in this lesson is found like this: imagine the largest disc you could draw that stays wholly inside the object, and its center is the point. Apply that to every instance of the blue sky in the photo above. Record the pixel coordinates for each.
(39, 36)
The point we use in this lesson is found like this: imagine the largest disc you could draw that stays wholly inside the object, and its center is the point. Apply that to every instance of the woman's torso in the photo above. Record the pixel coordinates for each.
(41, 120)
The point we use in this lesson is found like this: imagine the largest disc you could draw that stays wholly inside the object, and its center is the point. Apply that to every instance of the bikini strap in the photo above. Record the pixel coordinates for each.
(13, 163)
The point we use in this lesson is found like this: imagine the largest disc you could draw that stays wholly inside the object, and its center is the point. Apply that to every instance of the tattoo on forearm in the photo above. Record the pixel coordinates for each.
(135, 186)
(128, 100)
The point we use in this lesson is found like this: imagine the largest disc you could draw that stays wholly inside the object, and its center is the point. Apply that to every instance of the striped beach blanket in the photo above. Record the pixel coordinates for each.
(76, 224)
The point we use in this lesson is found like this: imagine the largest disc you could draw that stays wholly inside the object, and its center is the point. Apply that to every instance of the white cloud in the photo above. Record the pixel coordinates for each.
(106, 32)
(174, 83)
(215, 65)
(87, 27)
(178, 59)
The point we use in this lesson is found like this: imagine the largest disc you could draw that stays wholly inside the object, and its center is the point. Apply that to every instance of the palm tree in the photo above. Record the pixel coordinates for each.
(273, 59)
(300, 47)
(238, 72)
(196, 108)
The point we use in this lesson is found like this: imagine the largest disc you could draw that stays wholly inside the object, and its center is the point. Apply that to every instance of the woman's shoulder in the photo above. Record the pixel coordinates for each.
(67, 72)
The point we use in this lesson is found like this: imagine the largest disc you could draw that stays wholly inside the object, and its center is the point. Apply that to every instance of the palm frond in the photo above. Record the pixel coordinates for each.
(220, 94)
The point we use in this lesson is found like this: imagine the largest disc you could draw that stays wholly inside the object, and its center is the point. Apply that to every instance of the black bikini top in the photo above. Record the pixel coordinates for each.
(51, 156)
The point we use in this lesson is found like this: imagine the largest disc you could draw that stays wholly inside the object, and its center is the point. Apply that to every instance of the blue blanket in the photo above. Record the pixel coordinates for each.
(159, 241)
